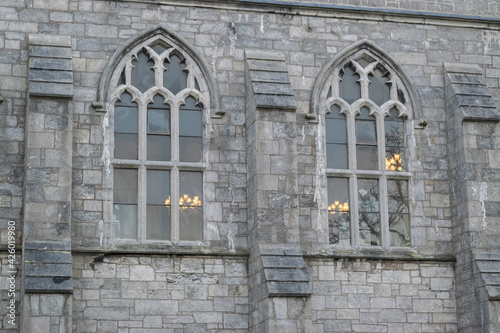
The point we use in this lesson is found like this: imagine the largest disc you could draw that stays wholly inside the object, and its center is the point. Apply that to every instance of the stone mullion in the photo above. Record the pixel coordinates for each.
(174, 174)
(383, 200)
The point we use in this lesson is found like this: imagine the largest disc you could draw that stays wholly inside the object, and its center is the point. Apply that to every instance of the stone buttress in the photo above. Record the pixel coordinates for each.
(47, 264)
(279, 281)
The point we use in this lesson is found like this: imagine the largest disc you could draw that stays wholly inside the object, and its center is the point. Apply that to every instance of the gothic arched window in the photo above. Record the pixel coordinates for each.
(367, 155)
(158, 124)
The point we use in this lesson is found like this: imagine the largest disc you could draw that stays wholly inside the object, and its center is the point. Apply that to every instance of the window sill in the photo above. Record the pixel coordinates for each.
(164, 248)
(378, 253)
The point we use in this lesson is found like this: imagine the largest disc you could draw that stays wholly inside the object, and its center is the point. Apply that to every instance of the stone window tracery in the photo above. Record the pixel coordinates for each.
(159, 118)
(367, 155)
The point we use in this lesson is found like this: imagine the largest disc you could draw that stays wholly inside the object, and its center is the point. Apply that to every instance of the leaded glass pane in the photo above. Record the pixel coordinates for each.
(158, 129)
(339, 211)
(366, 132)
(336, 131)
(143, 74)
(395, 141)
(394, 133)
(366, 141)
(159, 48)
(125, 128)
(190, 131)
(190, 149)
(125, 186)
(190, 205)
(190, 123)
(125, 203)
(158, 116)
(125, 119)
(369, 212)
(125, 221)
(397, 191)
(175, 75)
(159, 147)
(366, 157)
(158, 205)
(349, 87)
(336, 156)
(399, 227)
(126, 146)
(369, 229)
(395, 159)
(379, 88)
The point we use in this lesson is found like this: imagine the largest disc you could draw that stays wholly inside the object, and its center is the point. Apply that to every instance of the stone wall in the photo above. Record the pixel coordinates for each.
(375, 296)
(206, 288)
(147, 293)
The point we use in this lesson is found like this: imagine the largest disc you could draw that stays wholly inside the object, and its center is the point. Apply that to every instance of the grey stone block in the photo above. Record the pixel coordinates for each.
(42, 269)
(265, 76)
(51, 63)
(51, 89)
(50, 52)
(275, 102)
(492, 208)
(56, 76)
(267, 65)
(289, 289)
(48, 256)
(288, 275)
(272, 88)
(54, 284)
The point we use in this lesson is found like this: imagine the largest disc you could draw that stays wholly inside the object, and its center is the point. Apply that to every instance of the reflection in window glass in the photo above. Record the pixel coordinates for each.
(399, 215)
(125, 203)
(190, 131)
(339, 211)
(366, 141)
(369, 212)
(190, 205)
(158, 129)
(143, 74)
(336, 139)
(158, 205)
(125, 128)
(175, 75)
(394, 126)
(349, 87)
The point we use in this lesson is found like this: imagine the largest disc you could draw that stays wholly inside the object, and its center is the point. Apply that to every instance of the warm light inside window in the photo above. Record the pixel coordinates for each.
(394, 163)
(185, 201)
(339, 207)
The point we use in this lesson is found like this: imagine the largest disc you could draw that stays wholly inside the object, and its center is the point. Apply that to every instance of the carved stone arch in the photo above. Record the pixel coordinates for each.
(103, 92)
(322, 84)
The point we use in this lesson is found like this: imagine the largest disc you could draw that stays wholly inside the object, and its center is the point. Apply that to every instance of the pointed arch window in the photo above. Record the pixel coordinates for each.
(367, 155)
(158, 125)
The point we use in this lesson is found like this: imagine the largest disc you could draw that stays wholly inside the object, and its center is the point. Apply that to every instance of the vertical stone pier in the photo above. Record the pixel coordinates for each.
(473, 144)
(279, 282)
(47, 266)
